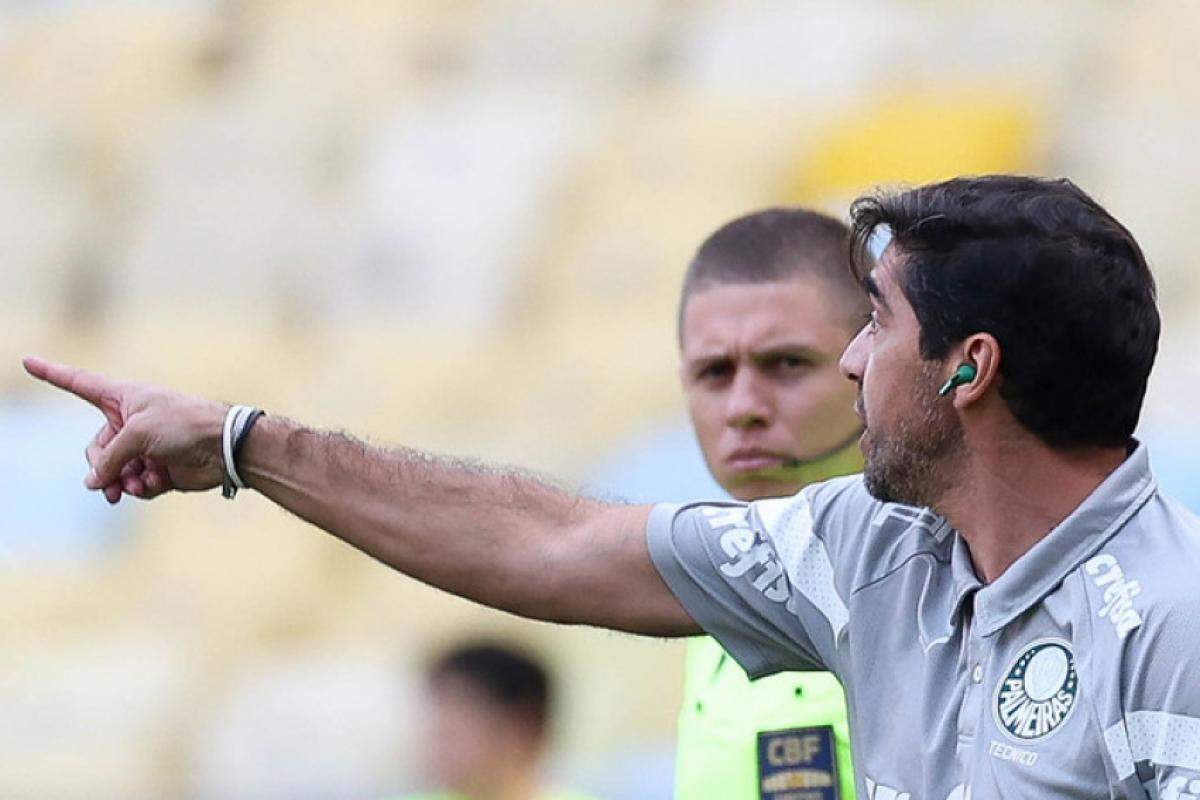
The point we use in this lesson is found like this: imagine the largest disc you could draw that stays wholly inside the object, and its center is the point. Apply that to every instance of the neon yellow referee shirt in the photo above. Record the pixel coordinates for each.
(785, 737)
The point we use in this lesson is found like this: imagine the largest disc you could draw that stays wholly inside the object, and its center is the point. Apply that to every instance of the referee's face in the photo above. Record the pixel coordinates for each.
(761, 378)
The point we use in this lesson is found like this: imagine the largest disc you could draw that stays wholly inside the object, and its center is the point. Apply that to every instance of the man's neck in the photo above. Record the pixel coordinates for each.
(1013, 494)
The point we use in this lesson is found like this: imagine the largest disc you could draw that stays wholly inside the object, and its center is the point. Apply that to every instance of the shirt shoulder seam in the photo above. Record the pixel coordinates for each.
(897, 567)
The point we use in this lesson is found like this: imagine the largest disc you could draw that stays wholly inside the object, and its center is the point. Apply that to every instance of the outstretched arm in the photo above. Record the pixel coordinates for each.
(496, 536)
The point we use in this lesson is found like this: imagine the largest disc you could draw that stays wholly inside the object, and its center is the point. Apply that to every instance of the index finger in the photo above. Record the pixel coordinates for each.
(86, 385)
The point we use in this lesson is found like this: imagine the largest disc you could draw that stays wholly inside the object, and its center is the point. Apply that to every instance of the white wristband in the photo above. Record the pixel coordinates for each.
(235, 420)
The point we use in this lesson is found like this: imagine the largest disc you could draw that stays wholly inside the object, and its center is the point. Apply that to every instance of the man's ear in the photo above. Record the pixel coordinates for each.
(982, 351)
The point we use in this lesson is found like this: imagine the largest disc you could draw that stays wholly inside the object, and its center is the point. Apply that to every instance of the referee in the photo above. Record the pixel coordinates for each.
(1005, 595)
(768, 305)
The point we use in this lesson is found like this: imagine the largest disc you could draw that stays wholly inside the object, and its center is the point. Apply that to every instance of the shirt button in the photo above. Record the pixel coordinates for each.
(977, 673)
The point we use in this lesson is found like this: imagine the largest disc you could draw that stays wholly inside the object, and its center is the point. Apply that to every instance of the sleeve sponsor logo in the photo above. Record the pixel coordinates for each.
(748, 554)
(1118, 593)
(798, 764)
(1037, 694)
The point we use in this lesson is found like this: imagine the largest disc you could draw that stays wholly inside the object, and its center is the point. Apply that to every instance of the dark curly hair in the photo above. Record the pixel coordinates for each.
(1045, 269)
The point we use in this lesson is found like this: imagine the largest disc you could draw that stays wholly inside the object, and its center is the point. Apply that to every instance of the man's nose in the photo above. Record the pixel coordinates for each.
(854, 357)
(748, 404)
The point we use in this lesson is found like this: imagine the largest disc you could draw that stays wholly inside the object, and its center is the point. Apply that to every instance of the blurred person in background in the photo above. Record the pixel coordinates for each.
(489, 709)
(768, 305)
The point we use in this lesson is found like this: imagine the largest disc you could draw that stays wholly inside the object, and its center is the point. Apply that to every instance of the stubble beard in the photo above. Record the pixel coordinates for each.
(915, 464)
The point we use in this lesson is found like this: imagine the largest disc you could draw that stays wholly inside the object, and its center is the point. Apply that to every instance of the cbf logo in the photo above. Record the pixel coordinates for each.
(1037, 695)
(798, 764)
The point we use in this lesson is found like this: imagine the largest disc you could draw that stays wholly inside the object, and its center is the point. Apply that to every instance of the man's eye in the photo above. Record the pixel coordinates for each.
(791, 363)
(871, 322)
(713, 372)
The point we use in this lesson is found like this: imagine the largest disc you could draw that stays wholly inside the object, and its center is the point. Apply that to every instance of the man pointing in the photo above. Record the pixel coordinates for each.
(1005, 595)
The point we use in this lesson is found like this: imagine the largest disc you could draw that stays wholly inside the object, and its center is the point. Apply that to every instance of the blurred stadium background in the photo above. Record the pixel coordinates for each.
(460, 225)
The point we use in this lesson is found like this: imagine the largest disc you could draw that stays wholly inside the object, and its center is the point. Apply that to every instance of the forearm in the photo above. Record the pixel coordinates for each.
(499, 537)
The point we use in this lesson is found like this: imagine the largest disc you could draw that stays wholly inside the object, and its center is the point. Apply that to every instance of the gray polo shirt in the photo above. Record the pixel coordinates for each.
(1075, 674)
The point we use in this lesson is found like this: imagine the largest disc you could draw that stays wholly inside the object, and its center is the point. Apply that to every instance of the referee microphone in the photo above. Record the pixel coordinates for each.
(796, 463)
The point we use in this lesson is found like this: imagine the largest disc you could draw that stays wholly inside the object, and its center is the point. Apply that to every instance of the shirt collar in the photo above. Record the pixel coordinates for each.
(1085, 530)
(962, 577)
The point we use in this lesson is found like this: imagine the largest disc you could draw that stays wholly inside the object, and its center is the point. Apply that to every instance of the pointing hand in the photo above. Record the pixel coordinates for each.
(153, 440)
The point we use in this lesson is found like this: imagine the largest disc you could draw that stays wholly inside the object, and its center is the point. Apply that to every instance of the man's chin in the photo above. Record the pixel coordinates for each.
(757, 486)
(905, 481)
(878, 487)
(881, 478)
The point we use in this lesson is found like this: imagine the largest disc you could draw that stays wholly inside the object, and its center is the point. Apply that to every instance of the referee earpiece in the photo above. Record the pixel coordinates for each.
(964, 374)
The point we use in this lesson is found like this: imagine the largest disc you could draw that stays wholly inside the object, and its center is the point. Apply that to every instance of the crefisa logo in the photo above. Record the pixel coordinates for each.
(1038, 693)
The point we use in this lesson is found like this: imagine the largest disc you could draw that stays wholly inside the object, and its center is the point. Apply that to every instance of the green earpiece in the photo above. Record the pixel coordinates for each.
(964, 374)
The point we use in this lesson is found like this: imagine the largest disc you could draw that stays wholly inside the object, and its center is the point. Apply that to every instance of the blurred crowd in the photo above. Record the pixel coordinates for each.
(460, 225)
